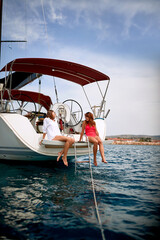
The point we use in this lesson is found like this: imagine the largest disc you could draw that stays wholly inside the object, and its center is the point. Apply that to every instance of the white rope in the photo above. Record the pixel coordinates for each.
(93, 188)
(94, 195)
(75, 153)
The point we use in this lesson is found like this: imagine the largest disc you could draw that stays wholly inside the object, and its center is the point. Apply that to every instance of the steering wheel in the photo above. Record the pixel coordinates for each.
(24, 107)
(76, 112)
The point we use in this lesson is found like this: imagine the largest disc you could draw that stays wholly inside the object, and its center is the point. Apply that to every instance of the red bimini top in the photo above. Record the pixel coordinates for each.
(70, 71)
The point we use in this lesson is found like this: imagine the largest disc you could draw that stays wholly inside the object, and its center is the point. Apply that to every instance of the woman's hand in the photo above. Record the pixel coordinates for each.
(43, 137)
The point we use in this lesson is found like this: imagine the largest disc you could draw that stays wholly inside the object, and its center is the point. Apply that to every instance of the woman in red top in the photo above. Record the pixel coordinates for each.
(89, 126)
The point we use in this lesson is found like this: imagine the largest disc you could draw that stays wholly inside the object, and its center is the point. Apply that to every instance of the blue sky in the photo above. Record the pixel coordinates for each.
(118, 37)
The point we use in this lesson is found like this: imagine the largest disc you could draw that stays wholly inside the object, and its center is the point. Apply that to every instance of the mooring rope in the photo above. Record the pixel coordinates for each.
(75, 153)
(94, 195)
(93, 188)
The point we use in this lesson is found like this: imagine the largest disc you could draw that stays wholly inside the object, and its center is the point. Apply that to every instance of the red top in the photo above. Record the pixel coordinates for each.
(90, 131)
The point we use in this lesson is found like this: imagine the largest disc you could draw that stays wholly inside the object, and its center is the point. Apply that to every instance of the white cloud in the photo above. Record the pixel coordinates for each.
(91, 12)
(72, 13)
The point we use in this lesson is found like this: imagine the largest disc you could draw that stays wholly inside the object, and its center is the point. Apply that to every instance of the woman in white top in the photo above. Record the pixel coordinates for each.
(50, 127)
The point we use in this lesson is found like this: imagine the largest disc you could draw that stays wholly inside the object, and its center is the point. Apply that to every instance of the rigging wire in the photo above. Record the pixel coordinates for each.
(25, 28)
(55, 88)
(45, 24)
(46, 32)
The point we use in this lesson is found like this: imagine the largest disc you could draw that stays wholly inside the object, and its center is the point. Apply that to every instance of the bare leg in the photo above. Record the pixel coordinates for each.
(71, 141)
(64, 158)
(68, 142)
(95, 153)
(62, 152)
(95, 147)
(101, 149)
(59, 155)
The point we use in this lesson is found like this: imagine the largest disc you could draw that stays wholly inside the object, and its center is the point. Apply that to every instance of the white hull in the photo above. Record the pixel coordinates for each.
(20, 141)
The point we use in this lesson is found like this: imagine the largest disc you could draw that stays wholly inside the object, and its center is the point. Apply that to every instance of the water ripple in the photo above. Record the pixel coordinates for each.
(54, 202)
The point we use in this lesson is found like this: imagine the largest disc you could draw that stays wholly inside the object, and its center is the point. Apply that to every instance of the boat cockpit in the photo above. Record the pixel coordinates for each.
(34, 106)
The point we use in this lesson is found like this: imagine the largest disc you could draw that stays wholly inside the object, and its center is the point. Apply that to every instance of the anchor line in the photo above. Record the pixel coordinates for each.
(75, 153)
(93, 189)
(94, 196)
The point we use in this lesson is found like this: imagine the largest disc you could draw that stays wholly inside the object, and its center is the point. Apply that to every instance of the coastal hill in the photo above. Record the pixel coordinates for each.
(136, 137)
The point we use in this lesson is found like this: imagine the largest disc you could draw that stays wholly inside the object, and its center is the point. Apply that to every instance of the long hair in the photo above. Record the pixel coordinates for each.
(49, 114)
(91, 121)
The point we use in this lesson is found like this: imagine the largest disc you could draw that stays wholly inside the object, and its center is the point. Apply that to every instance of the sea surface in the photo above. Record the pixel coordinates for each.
(51, 201)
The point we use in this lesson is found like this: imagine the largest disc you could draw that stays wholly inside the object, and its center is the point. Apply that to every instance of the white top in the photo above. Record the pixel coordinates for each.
(51, 128)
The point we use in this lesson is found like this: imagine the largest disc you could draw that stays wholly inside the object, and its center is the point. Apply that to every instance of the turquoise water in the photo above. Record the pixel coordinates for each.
(53, 202)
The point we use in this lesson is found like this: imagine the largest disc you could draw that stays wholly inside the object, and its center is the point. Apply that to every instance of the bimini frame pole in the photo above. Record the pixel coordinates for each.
(87, 97)
(7, 78)
(103, 100)
(99, 89)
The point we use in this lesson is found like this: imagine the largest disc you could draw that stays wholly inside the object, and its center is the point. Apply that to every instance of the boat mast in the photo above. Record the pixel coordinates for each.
(1, 5)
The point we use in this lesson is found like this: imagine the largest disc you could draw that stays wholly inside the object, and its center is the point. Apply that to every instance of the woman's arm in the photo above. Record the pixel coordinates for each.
(82, 132)
(44, 134)
(44, 130)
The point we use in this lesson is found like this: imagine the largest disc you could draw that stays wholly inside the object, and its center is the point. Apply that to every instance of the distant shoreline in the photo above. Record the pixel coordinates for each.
(135, 143)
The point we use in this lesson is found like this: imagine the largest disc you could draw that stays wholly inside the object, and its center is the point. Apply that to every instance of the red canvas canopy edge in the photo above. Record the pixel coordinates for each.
(28, 96)
(71, 71)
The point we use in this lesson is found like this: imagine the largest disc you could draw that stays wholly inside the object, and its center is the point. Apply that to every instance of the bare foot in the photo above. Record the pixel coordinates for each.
(104, 161)
(65, 161)
(95, 162)
(59, 155)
